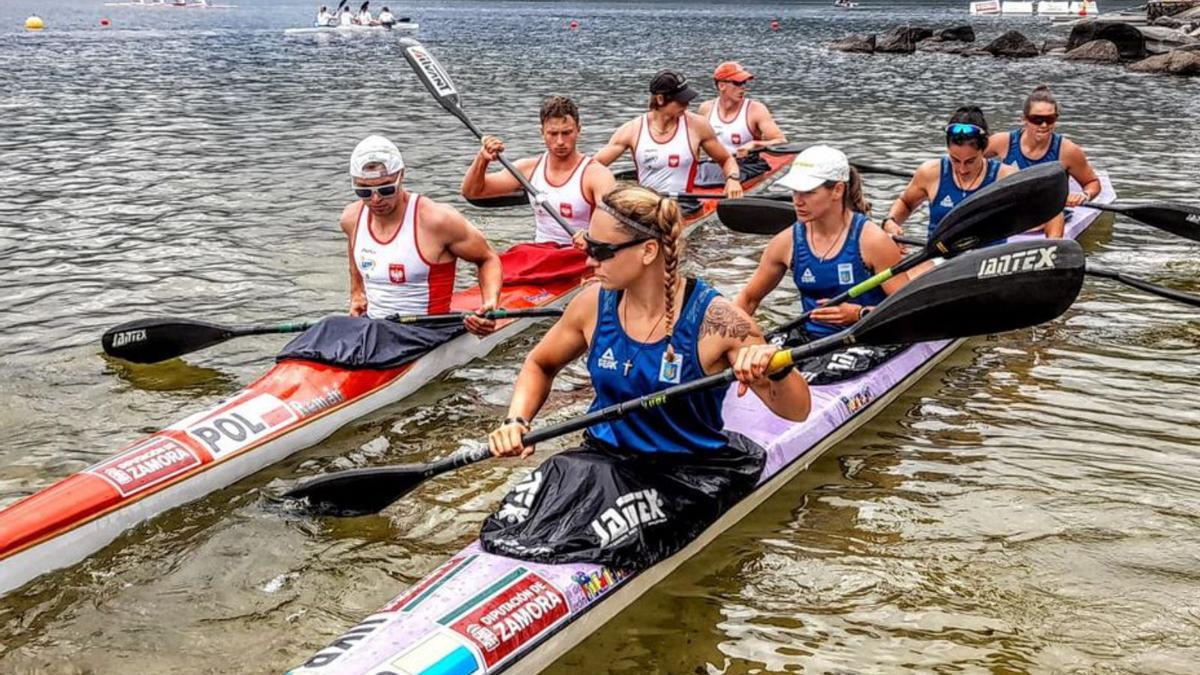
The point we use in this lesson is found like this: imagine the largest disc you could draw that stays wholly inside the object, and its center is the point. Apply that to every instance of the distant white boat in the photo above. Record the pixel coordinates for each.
(399, 26)
(1049, 8)
(845, 4)
(194, 4)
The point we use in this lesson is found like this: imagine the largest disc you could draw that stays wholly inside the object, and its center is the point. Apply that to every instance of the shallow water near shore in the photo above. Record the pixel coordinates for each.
(1032, 505)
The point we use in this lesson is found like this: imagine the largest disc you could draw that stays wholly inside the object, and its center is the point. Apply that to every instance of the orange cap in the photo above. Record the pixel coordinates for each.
(732, 71)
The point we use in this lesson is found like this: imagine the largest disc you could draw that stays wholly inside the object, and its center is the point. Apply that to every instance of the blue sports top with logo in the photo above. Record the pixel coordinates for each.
(622, 368)
(950, 195)
(1018, 159)
(818, 279)
(396, 277)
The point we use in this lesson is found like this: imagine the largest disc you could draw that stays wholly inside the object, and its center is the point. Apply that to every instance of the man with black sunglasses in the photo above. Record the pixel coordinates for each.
(742, 125)
(666, 141)
(404, 248)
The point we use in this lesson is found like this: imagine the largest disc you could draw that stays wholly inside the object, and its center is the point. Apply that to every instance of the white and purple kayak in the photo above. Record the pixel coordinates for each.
(484, 613)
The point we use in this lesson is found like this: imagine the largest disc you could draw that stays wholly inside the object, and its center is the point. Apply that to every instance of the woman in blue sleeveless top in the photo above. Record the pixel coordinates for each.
(947, 181)
(1036, 142)
(642, 486)
(832, 246)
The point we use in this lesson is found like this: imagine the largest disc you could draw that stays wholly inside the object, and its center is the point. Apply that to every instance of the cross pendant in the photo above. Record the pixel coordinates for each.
(628, 365)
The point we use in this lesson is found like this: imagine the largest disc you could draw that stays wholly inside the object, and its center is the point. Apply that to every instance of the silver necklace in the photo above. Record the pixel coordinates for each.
(641, 345)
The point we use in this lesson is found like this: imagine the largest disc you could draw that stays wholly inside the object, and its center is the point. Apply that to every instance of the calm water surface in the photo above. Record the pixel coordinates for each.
(1032, 505)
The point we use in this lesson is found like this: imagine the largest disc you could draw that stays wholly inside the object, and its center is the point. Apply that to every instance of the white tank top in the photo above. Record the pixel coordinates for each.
(397, 278)
(736, 132)
(666, 167)
(568, 198)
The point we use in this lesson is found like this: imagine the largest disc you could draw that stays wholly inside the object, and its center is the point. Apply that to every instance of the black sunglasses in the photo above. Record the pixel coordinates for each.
(388, 190)
(602, 250)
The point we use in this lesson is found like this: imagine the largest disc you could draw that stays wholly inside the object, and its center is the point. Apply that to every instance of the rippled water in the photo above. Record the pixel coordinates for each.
(1032, 505)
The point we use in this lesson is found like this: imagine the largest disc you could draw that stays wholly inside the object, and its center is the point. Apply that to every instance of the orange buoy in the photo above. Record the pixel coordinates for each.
(574, 24)
(774, 25)
(105, 23)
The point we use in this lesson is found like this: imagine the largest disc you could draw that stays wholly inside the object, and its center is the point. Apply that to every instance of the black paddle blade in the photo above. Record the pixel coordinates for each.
(1009, 206)
(1178, 219)
(432, 75)
(358, 492)
(154, 340)
(755, 215)
(993, 290)
(517, 198)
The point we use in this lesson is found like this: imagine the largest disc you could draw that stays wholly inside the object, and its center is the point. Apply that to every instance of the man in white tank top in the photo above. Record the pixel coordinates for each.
(665, 142)
(404, 248)
(570, 180)
(741, 124)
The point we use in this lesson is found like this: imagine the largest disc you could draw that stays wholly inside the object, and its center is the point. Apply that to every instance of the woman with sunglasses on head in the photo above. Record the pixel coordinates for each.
(946, 182)
(1037, 143)
(403, 248)
(832, 246)
(643, 327)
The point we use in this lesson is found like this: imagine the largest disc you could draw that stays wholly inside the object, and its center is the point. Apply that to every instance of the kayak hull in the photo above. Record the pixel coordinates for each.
(484, 613)
(401, 27)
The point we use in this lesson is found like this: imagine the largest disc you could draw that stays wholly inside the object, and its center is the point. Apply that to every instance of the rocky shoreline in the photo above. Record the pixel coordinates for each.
(1161, 37)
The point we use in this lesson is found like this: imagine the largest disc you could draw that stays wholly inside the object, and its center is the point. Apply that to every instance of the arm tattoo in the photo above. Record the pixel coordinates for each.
(723, 320)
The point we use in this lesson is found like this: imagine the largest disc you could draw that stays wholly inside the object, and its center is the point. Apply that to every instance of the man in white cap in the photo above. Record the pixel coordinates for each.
(832, 247)
(404, 248)
(666, 141)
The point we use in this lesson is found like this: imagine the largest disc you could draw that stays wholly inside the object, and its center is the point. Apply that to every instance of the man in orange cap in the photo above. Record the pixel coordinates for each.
(742, 125)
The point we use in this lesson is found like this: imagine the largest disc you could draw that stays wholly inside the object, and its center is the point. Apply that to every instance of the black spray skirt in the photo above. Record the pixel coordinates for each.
(626, 510)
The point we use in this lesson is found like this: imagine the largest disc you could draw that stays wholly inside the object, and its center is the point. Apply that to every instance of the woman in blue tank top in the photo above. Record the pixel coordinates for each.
(832, 246)
(947, 181)
(1036, 142)
(643, 328)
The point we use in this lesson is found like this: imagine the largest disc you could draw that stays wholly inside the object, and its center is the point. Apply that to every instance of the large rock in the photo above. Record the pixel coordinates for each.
(945, 47)
(1128, 39)
(1173, 63)
(862, 44)
(1012, 44)
(1054, 43)
(1096, 51)
(1167, 22)
(965, 33)
(1162, 40)
(902, 39)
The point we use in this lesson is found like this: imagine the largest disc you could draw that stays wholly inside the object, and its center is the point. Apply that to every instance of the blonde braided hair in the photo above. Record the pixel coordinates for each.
(660, 215)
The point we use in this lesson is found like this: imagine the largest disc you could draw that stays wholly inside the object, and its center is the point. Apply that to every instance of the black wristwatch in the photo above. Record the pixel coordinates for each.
(516, 420)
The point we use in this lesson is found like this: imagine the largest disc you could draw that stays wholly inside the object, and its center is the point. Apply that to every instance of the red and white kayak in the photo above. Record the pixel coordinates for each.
(295, 405)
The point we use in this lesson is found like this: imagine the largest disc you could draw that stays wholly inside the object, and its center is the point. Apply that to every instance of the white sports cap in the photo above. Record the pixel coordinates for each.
(375, 151)
(813, 167)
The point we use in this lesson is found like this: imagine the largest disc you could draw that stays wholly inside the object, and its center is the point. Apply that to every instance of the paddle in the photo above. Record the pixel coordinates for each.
(154, 340)
(796, 148)
(999, 289)
(438, 82)
(1010, 206)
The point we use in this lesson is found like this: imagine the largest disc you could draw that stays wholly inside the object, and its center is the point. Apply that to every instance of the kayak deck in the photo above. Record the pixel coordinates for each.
(483, 613)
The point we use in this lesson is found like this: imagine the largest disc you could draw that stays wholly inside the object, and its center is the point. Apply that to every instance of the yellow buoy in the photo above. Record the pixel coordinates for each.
(34, 23)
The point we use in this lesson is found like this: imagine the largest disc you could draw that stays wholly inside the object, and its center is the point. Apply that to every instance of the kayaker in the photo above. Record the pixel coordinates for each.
(346, 18)
(670, 164)
(404, 247)
(947, 181)
(741, 124)
(570, 180)
(364, 15)
(386, 18)
(1036, 142)
(832, 246)
(643, 328)
(324, 18)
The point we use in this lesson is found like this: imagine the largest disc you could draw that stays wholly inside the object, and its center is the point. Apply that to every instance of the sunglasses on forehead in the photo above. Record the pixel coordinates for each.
(1040, 120)
(365, 191)
(960, 131)
(602, 250)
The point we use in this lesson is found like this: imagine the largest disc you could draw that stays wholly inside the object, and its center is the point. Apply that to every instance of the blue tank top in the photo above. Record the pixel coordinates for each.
(819, 279)
(622, 368)
(1018, 159)
(950, 195)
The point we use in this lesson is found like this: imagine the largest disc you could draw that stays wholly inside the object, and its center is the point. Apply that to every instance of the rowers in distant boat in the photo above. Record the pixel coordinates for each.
(666, 141)
(568, 180)
(845, 4)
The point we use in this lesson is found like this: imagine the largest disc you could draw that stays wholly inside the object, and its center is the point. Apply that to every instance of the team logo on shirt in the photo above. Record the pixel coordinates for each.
(673, 161)
(668, 370)
(846, 274)
(607, 360)
(566, 211)
(736, 138)
(366, 264)
(808, 277)
(947, 202)
(396, 273)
